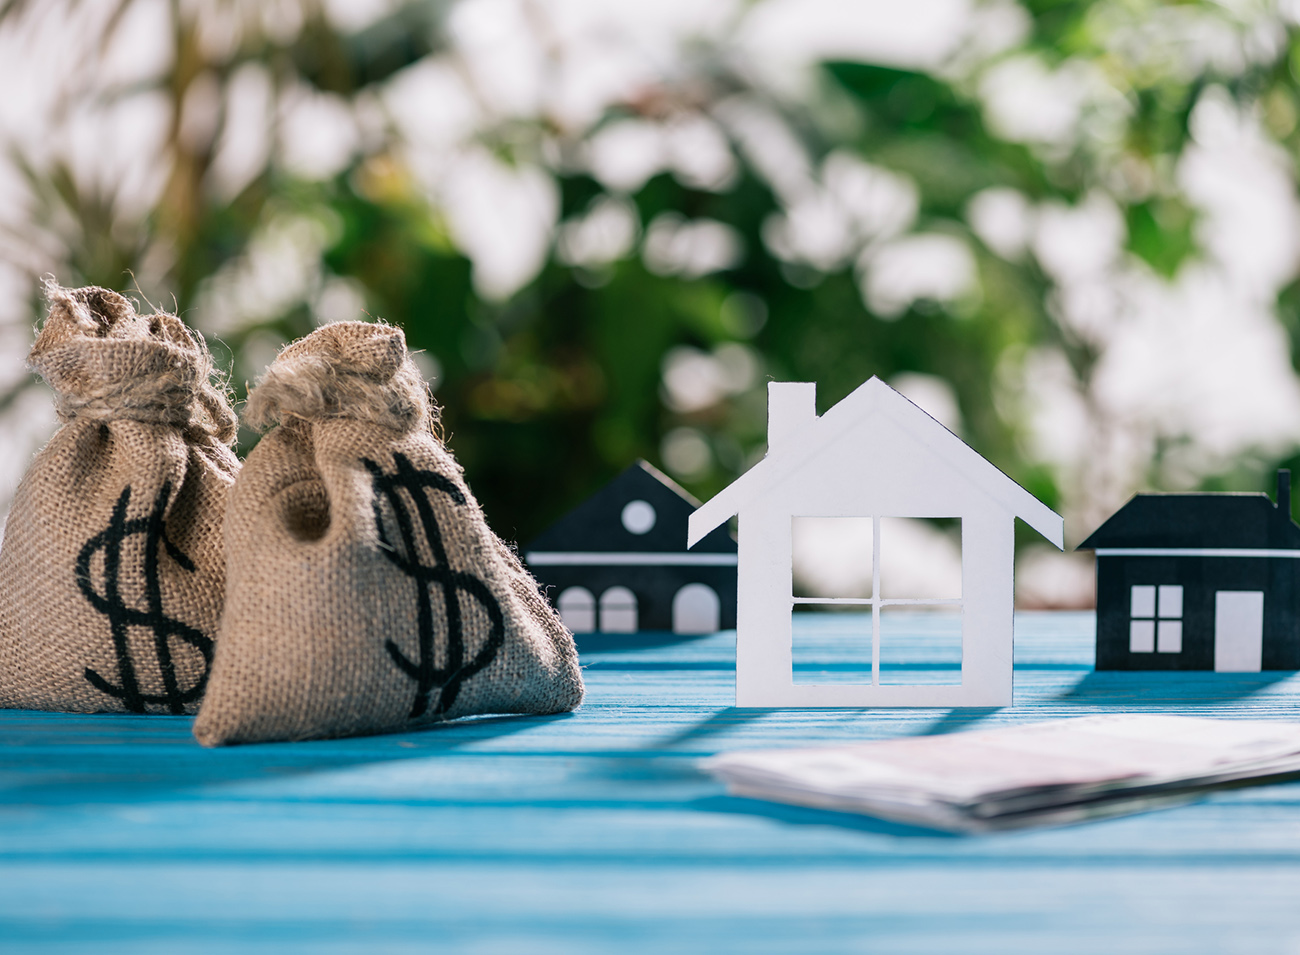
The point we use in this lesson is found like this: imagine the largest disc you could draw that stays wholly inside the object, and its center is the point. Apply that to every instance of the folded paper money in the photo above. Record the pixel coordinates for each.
(1053, 773)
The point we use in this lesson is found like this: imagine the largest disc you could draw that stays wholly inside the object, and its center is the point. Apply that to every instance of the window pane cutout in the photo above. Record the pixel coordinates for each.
(920, 646)
(1171, 601)
(832, 556)
(875, 602)
(1155, 618)
(921, 559)
(1142, 601)
(832, 646)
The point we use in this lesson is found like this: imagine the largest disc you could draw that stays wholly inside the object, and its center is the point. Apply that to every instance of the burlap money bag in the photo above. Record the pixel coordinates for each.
(366, 592)
(111, 572)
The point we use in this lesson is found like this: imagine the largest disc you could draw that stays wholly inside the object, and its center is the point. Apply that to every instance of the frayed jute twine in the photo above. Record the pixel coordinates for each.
(354, 370)
(105, 362)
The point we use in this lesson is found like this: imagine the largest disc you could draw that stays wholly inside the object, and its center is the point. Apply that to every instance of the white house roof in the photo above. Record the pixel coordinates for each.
(874, 397)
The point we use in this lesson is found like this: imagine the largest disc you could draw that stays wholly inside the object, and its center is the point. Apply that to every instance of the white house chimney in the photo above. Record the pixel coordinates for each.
(791, 407)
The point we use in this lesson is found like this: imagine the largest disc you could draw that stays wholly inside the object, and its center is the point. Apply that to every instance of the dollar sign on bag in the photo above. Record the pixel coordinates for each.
(122, 617)
(424, 671)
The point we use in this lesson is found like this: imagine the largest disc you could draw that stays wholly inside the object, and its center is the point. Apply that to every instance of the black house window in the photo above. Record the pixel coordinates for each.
(1155, 618)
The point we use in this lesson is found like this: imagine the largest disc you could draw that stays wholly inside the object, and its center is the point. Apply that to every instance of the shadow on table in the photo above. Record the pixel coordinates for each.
(70, 759)
(1162, 688)
(959, 719)
(641, 640)
(733, 717)
(805, 816)
(722, 721)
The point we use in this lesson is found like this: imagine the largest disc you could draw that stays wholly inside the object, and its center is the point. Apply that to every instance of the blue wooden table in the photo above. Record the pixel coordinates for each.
(594, 832)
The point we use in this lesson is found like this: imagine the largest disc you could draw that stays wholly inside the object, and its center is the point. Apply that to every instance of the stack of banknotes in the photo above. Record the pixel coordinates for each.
(1051, 773)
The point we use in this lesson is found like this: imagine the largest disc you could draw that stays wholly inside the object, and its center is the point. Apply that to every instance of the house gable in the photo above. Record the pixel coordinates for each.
(841, 441)
(1238, 521)
(596, 525)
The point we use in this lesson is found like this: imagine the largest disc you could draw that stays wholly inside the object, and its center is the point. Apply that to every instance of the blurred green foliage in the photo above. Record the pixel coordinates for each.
(548, 394)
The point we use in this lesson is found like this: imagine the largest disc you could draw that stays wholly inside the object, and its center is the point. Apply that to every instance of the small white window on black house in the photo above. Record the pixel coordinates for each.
(1155, 618)
(618, 611)
(578, 609)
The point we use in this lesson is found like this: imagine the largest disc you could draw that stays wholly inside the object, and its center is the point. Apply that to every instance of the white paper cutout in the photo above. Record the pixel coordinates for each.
(1171, 601)
(577, 608)
(1238, 631)
(638, 517)
(1169, 636)
(873, 455)
(696, 609)
(1142, 636)
(618, 611)
(1142, 600)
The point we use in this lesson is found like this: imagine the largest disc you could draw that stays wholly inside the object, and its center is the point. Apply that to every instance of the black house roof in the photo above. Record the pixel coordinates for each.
(596, 525)
(1199, 520)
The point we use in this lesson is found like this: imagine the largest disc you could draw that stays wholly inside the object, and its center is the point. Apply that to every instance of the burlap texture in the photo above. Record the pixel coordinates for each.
(112, 572)
(366, 592)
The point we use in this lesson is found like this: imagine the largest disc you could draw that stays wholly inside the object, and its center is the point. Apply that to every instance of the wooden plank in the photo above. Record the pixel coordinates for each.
(595, 832)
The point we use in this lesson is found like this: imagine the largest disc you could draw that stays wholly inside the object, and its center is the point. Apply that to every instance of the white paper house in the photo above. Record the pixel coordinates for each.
(875, 454)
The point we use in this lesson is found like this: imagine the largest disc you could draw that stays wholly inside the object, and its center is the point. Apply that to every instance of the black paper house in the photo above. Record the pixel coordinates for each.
(1199, 582)
(618, 562)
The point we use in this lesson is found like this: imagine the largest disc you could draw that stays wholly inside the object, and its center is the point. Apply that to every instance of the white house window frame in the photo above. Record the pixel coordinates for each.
(875, 601)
